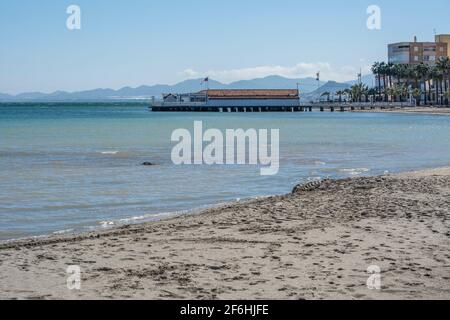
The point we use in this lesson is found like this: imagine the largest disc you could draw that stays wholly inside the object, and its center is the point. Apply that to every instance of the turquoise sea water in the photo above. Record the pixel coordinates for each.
(77, 167)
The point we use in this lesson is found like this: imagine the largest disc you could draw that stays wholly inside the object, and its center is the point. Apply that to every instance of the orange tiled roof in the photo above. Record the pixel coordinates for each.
(252, 94)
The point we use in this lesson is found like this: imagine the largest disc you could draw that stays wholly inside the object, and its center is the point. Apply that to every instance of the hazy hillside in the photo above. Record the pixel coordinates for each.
(308, 88)
(330, 86)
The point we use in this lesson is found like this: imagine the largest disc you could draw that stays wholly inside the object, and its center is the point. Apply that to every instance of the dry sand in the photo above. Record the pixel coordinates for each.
(315, 243)
(417, 110)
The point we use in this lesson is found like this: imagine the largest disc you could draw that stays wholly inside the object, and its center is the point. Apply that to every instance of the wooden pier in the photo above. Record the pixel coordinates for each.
(317, 107)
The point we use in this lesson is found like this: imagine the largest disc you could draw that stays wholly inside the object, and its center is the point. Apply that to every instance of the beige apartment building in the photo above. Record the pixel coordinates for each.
(418, 52)
(444, 38)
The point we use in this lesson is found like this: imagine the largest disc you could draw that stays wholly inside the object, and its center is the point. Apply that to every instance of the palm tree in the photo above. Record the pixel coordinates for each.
(403, 91)
(390, 72)
(398, 91)
(357, 91)
(340, 93)
(348, 93)
(391, 92)
(409, 74)
(372, 93)
(423, 71)
(326, 94)
(417, 93)
(376, 70)
(365, 92)
(399, 72)
(384, 71)
(443, 65)
(447, 96)
(436, 75)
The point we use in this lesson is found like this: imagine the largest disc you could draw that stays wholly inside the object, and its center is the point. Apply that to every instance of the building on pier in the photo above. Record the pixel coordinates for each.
(231, 101)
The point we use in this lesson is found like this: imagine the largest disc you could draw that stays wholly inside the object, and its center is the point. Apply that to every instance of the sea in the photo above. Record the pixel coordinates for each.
(70, 168)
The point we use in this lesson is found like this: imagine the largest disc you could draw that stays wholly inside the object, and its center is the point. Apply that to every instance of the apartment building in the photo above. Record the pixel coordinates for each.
(418, 52)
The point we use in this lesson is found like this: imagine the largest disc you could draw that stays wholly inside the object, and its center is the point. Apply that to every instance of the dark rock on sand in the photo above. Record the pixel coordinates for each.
(311, 186)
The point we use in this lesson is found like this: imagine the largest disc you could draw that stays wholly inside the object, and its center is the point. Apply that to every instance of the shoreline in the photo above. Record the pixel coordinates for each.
(167, 216)
(411, 110)
(315, 243)
(57, 236)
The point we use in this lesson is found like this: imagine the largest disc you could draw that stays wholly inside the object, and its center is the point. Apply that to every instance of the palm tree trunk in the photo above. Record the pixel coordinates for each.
(446, 90)
(437, 92)
(379, 87)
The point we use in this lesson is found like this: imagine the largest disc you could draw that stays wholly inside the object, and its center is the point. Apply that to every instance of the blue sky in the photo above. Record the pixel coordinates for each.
(136, 42)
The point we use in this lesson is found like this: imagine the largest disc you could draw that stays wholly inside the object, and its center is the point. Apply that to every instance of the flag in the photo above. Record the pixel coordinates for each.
(205, 80)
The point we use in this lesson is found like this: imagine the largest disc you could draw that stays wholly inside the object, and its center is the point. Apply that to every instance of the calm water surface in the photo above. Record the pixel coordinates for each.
(77, 167)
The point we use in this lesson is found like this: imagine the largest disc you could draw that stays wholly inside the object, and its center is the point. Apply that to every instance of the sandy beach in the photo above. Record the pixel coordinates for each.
(416, 110)
(315, 243)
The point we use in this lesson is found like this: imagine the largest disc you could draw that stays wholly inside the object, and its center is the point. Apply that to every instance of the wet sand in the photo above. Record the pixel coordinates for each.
(315, 243)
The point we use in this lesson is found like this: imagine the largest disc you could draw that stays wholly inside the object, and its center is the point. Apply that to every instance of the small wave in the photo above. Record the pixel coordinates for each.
(110, 152)
(106, 224)
(355, 172)
(63, 231)
(147, 217)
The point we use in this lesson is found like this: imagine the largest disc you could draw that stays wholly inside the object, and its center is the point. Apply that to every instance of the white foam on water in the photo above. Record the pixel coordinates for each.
(63, 231)
(142, 218)
(355, 171)
(106, 224)
(110, 152)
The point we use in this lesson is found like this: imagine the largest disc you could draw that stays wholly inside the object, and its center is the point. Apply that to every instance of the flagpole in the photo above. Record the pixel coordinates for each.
(318, 80)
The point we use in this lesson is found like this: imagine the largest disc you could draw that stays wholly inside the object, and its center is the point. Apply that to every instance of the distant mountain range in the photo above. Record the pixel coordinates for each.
(308, 87)
(333, 86)
(330, 86)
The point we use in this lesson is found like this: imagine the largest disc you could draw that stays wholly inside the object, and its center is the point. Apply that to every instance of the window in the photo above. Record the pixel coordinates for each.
(416, 49)
(416, 58)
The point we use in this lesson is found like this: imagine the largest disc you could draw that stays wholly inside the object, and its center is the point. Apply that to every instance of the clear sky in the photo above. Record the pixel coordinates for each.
(136, 42)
